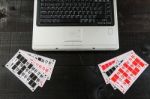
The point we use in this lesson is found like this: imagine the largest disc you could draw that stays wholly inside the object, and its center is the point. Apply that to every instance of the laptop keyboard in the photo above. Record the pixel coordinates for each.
(75, 13)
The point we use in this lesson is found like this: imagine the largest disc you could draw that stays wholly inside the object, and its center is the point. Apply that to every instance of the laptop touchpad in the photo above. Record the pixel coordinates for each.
(73, 36)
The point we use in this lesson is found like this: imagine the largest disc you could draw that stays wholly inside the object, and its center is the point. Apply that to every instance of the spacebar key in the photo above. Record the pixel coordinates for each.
(70, 21)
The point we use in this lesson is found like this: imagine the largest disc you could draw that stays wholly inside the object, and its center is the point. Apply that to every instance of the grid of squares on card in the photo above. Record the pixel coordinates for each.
(32, 69)
(122, 71)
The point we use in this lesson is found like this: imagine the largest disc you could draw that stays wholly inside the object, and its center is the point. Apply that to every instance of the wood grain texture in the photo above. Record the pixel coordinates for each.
(76, 75)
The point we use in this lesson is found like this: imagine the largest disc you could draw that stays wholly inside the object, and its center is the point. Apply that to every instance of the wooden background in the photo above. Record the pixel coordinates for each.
(76, 75)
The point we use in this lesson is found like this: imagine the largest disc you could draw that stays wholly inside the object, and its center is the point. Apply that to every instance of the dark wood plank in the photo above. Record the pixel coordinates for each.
(134, 16)
(19, 16)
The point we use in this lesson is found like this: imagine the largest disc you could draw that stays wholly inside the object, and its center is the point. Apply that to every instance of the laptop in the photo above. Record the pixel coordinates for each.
(75, 25)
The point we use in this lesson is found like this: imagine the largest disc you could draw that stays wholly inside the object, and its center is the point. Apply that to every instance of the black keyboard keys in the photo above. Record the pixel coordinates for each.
(14, 67)
(75, 13)
(32, 83)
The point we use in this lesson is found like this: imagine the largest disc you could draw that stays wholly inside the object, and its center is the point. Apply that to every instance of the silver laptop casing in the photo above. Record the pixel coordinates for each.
(75, 38)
